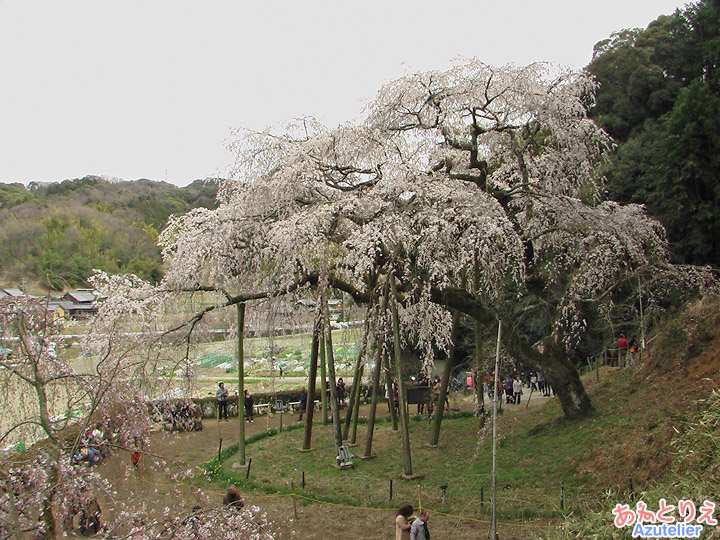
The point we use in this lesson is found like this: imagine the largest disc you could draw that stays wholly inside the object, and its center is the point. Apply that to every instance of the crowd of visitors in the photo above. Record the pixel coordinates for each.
(179, 415)
(515, 383)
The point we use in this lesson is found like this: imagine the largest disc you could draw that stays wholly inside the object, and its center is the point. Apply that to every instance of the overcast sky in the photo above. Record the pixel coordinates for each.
(150, 89)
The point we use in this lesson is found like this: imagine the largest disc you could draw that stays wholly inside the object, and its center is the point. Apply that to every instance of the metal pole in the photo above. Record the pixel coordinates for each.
(241, 381)
(642, 319)
(495, 435)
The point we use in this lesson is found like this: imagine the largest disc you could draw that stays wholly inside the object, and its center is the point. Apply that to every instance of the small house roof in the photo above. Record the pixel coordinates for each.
(81, 296)
(65, 304)
(13, 292)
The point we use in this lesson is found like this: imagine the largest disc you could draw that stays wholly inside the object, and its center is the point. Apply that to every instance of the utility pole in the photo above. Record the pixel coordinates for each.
(642, 319)
(495, 435)
(241, 380)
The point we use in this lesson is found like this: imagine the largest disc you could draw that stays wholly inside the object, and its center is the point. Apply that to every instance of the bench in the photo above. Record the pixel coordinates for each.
(261, 407)
(296, 405)
(293, 405)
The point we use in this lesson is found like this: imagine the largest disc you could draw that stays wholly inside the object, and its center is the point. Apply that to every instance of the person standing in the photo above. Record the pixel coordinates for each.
(419, 529)
(509, 390)
(249, 404)
(222, 397)
(622, 347)
(541, 384)
(303, 402)
(517, 388)
(402, 522)
(424, 381)
(632, 350)
(396, 394)
(340, 387)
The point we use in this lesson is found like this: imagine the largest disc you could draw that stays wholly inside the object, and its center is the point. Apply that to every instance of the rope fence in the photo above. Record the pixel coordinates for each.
(384, 509)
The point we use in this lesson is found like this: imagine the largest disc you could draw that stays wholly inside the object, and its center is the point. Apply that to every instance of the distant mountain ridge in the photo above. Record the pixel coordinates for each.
(55, 234)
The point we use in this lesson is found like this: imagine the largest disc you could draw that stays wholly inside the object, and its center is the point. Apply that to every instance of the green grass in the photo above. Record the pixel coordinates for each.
(530, 468)
(539, 451)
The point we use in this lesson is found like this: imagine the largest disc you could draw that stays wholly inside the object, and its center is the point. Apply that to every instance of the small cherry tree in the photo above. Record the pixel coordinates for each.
(50, 405)
(55, 407)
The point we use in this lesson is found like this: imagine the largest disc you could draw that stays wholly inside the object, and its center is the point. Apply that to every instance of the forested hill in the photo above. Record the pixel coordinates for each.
(55, 234)
(659, 97)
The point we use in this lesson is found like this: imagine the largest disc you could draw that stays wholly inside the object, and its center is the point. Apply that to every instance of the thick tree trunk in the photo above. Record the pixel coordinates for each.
(553, 363)
(557, 368)
(440, 408)
(559, 372)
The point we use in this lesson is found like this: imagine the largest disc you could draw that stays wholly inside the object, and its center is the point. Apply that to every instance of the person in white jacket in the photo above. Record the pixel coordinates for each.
(517, 389)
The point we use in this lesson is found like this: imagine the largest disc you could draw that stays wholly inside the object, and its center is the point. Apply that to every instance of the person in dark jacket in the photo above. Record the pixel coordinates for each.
(303, 402)
(233, 499)
(249, 404)
(222, 397)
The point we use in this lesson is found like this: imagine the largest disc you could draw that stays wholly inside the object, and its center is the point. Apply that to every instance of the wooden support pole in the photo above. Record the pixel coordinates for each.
(334, 404)
(323, 376)
(355, 389)
(402, 398)
(310, 407)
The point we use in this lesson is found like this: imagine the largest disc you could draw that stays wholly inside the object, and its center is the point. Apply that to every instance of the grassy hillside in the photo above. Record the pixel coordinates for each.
(654, 428)
(57, 233)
